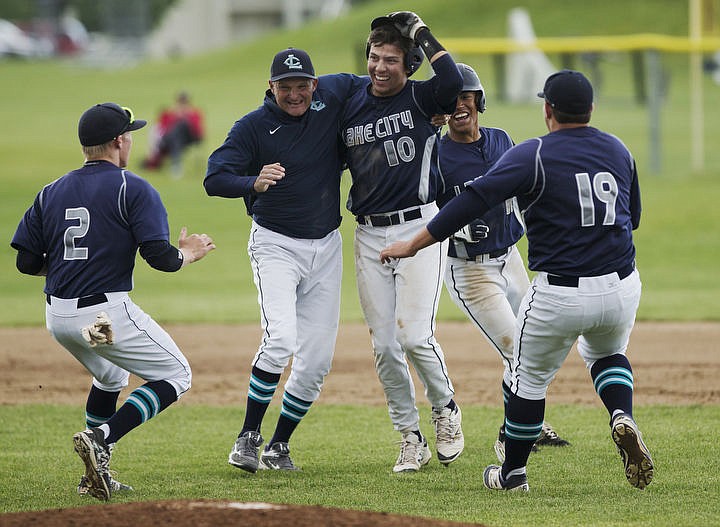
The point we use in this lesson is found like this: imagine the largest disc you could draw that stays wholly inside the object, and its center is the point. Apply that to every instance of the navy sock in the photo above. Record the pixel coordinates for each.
(292, 412)
(506, 395)
(613, 380)
(100, 406)
(523, 424)
(260, 392)
(144, 403)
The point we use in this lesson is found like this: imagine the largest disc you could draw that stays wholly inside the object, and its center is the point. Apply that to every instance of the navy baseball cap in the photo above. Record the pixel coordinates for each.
(291, 62)
(568, 91)
(105, 121)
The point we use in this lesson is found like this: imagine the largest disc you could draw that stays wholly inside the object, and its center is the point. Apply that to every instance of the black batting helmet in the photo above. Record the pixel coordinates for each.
(471, 82)
(413, 58)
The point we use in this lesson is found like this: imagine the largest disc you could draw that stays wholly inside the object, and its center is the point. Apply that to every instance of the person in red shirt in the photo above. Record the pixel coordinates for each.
(177, 128)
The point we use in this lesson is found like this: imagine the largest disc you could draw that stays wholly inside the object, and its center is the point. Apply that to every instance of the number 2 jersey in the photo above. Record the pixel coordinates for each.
(89, 224)
(579, 194)
(392, 147)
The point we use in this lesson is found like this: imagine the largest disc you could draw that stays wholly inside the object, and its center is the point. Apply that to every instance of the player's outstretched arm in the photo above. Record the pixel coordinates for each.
(406, 249)
(194, 247)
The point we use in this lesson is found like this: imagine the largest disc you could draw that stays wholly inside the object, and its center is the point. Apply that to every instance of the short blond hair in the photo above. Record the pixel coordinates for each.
(96, 151)
(99, 151)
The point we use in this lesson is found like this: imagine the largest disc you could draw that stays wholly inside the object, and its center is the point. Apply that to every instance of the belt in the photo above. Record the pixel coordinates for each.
(487, 256)
(87, 301)
(572, 281)
(395, 218)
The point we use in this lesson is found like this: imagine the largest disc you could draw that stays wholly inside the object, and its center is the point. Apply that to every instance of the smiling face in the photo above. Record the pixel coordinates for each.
(293, 94)
(386, 67)
(463, 122)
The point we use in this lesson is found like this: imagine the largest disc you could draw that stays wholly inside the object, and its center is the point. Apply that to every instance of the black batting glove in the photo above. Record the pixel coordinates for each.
(407, 22)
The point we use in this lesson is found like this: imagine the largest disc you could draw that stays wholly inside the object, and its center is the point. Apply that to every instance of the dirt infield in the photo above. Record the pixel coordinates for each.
(673, 364)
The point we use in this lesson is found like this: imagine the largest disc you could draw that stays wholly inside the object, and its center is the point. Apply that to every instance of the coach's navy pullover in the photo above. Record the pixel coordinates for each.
(306, 202)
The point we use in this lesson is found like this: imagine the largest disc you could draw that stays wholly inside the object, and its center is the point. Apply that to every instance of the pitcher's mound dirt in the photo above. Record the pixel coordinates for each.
(206, 513)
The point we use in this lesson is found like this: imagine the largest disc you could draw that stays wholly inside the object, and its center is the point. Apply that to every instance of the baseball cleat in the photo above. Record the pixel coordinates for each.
(277, 457)
(450, 441)
(83, 487)
(492, 479)
(90, 446)
(639, 468)
(548, 437)
(414, 453)
(244, 454)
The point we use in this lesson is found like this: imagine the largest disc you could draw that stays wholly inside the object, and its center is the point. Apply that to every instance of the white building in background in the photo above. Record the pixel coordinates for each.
(196, 26)
(526, 70)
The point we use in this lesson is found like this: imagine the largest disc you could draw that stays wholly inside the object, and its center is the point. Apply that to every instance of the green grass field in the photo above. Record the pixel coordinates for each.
(347, 466)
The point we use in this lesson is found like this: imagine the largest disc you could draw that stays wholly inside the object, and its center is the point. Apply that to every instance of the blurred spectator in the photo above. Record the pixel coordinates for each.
(176, 129)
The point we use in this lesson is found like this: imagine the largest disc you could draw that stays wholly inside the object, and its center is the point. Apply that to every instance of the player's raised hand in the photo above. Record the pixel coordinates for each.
(407, 22)
(269, 176)
(194, 247)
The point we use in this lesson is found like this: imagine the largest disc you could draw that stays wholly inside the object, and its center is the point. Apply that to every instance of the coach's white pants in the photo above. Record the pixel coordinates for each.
(298, 283)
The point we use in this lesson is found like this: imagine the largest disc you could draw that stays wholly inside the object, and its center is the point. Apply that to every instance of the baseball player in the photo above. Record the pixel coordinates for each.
(485, 274)
(83, 232)
(284, 159)
(392, 156)
(578, 189)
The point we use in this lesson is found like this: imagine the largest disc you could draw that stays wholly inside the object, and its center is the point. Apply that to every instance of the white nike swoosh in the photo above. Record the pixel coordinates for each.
(276, 129)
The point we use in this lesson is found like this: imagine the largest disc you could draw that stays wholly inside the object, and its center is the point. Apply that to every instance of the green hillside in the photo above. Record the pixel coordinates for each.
(41, 102)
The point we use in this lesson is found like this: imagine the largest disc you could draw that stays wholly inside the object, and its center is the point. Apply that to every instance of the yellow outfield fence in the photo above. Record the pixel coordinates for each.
(638, 42)
(645, 49)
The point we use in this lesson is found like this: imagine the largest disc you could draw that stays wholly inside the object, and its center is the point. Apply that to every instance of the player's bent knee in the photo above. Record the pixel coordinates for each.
(111, 383)
(181, 383)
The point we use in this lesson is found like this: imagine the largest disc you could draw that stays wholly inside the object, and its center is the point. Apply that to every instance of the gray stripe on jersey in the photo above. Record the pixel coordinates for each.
(122, 198)
(539, 183)
(424, 183)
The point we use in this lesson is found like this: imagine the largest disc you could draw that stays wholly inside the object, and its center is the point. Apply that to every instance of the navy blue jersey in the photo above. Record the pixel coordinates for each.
(392, 145)
(306, 202)
(90, 223)
(579, 193)
(460, 164)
